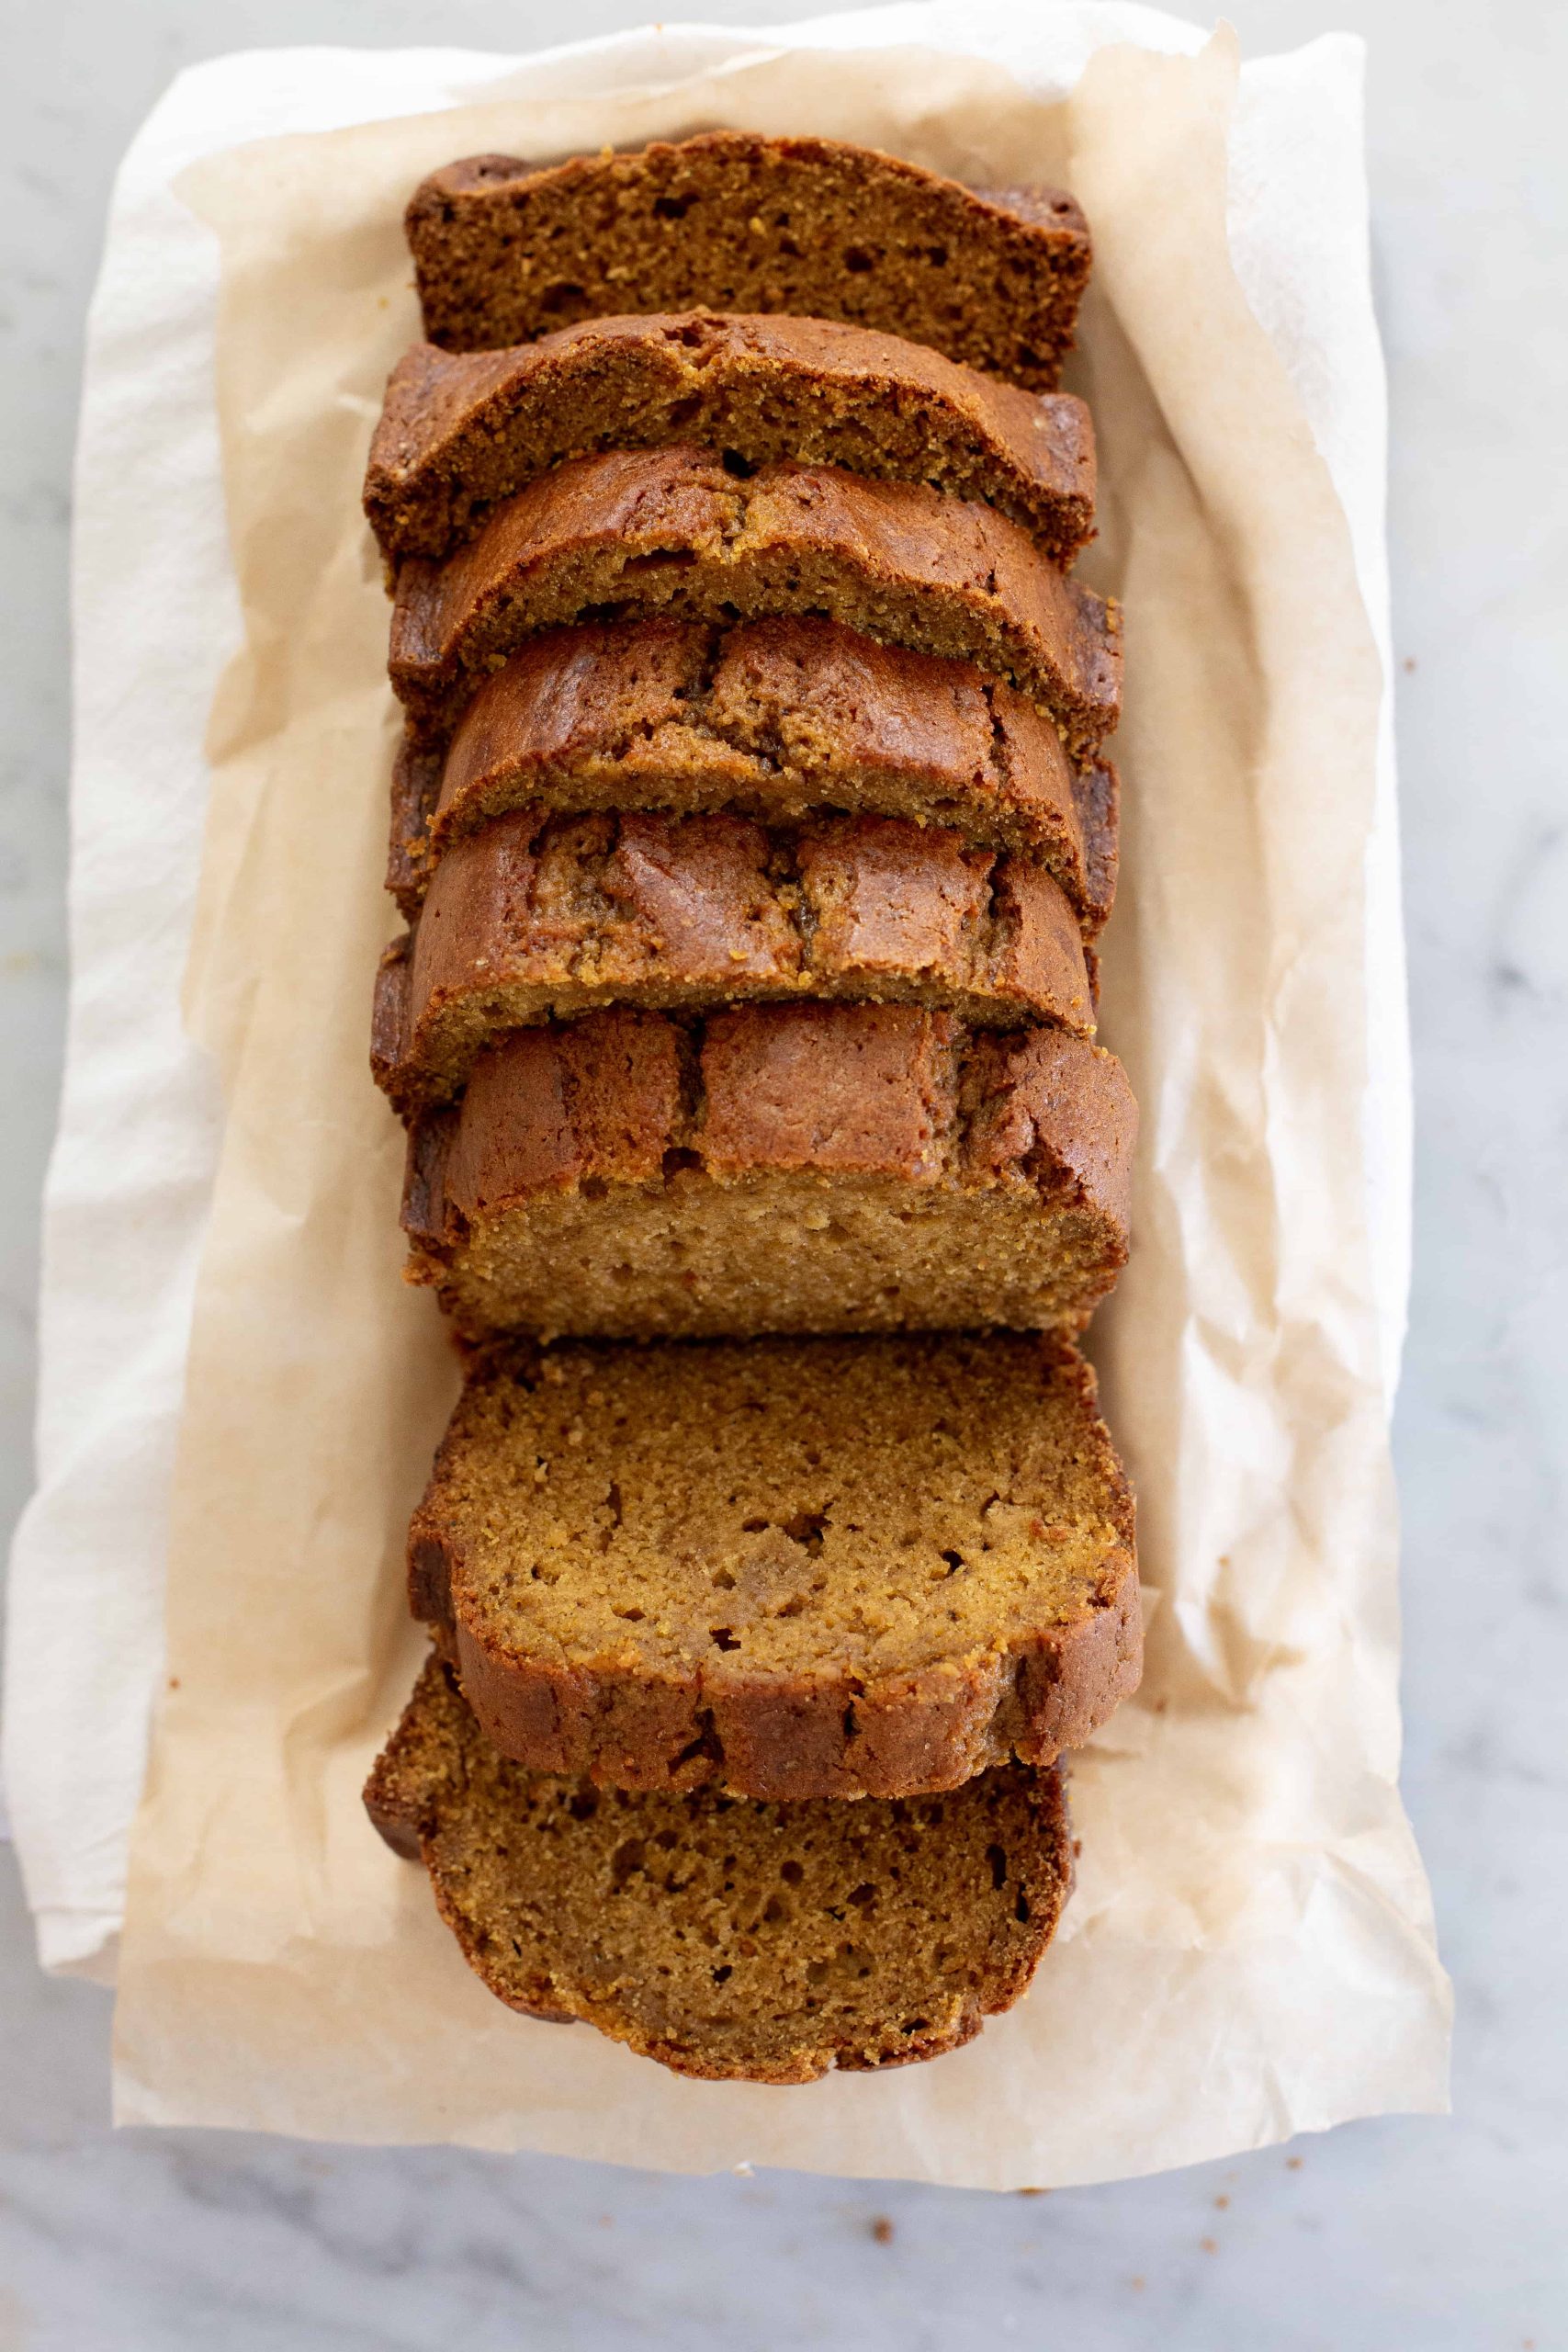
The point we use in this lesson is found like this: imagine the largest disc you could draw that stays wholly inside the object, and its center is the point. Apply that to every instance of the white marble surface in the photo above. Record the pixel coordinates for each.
(1412, 2235)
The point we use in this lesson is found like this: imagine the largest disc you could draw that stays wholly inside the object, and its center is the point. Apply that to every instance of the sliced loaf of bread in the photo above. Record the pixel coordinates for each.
(459, 431)
(504, 250)
(804, 1168)
(536, 917)
(632, 533)
(775, 720)
(797, 1567)
(735, 1942)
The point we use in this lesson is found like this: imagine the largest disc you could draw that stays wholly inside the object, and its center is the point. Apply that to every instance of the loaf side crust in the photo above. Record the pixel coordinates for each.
(535, 918)
(643, 532)
(774, 721)
(459, 432)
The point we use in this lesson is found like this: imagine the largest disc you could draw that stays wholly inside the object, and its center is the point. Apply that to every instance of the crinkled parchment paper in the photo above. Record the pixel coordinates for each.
(1249, 1952)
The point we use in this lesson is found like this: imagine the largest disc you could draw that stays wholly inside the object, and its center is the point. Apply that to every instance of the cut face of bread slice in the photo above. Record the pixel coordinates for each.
(800, 1568)
(503, 251)
(774, 719)
(746, 1942)
(461, 431)
(803, 1168)
(638, 532)
(536, 917)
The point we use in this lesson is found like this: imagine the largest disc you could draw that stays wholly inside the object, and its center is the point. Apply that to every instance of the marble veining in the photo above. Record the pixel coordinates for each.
(1442, 2237)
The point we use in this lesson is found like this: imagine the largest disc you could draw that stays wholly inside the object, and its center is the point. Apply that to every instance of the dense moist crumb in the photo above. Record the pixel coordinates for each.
(814, 1568)
(459, 431)
(631, 534)
(726, 1939)
(733, 221)
(537, 917)
(812, 1167)
(775, 720)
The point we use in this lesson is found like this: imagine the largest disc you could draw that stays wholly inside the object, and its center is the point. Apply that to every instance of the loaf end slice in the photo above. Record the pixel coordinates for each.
(796, 1568)
(726, 1939)
(504, 251)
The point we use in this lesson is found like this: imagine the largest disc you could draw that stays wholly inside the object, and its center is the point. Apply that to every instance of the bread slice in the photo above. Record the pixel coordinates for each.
(503, 251)
(804, 1168)
(635, 532)
(461, 430)
(752, 1943)
(774, 719)
(798, 1568)
(539, 916)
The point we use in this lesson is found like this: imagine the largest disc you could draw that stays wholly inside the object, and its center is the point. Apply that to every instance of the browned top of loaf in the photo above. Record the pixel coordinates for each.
(645, 531)
(861, 1089)
(774, 718)
(537, 916)
(735, 222)
(804, 1567)
(732, 1941)
(461, 430)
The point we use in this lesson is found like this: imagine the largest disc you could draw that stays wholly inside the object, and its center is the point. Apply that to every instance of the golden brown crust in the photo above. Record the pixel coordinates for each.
(844, 1727)
(734, 221)
(644, 532)
(840, 1113)
(785, 1943)
(774, 721)
(536, 917)
(460, 430)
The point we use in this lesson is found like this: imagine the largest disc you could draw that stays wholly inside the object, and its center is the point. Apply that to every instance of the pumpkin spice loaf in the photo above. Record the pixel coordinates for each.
(801, 1168)
(798, 1568)
(460, 430)
(538, 916)
(631, 532)
(731, 220)
(773, 719)
(731, 1940)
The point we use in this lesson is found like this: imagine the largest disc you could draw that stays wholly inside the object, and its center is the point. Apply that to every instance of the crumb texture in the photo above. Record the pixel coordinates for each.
(733, 221)
(801, 1568)
(726, 1939)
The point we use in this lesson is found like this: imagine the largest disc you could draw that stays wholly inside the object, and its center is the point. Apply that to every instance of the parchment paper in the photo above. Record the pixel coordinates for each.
(1249, 1951)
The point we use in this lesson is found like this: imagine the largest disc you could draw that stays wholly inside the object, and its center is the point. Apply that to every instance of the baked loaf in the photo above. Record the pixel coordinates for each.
(802, 1568)
(773, 719)
(733, 221)
(756, 1942)
(635, 532)
(461, 430)
(803, 1168)
(537, 916)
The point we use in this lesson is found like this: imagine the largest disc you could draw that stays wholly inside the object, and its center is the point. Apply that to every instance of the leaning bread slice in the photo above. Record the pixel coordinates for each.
(798, 1568)
(538, 917)
(504, 250)
(775, 720)
(801, 1168)
(749, 1942)
(636, 532)
(459, 431)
